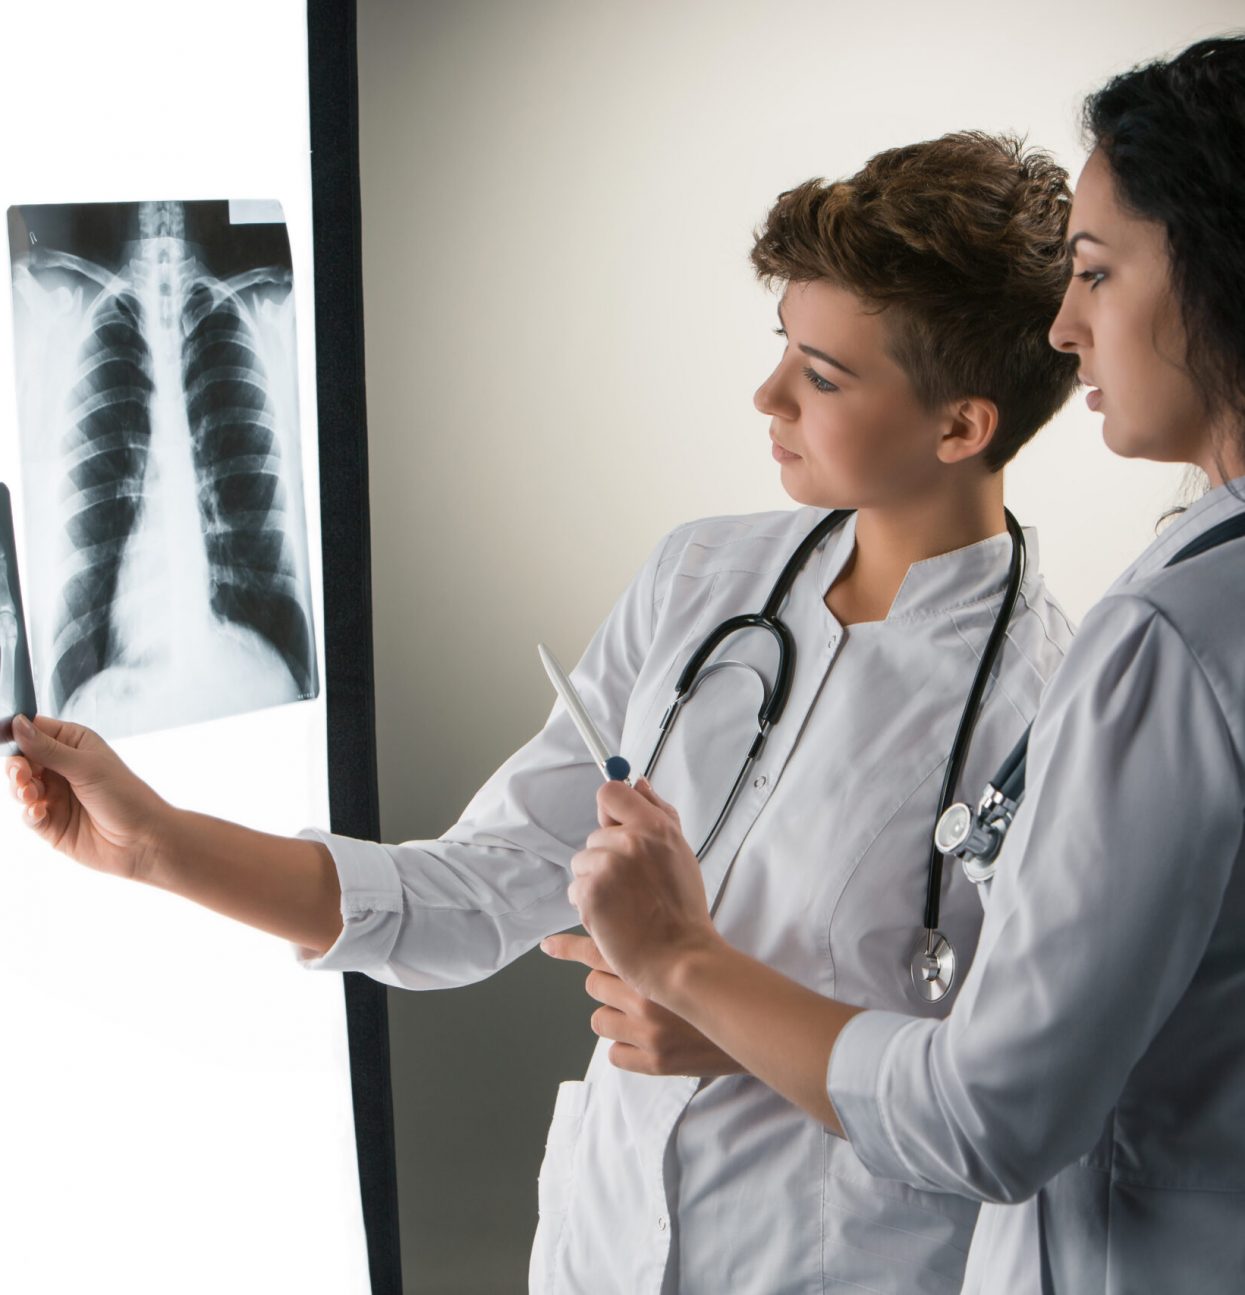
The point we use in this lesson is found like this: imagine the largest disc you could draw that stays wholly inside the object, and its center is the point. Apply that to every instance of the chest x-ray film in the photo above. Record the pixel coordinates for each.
(157, 407)
(176, 1107)
(17, 686)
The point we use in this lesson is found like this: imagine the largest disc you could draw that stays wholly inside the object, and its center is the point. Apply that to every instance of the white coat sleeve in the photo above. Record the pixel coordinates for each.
(434, 914)
(1106, 893)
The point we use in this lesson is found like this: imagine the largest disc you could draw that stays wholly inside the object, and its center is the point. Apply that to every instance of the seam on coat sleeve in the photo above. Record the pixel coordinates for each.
(657, 572)
(1160, 614)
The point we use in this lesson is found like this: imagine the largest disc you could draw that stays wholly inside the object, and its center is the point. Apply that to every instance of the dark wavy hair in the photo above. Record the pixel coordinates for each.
(961, 240)
(1173, 134)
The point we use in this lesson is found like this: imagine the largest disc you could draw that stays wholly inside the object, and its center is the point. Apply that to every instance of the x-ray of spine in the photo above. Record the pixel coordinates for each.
(158, 412)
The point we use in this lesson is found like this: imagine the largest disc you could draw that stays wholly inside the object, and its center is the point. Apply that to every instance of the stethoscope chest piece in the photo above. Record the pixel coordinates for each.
(933, 966)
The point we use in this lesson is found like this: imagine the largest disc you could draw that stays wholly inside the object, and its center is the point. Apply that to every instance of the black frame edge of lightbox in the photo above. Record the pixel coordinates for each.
(345, 543)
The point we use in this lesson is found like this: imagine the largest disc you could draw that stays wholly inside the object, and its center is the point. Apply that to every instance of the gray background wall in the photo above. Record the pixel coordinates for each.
(563, 338)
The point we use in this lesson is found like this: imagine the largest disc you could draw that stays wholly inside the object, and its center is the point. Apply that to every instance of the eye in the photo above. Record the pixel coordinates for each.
(818, 381)
(1094, 277)
(782, 332)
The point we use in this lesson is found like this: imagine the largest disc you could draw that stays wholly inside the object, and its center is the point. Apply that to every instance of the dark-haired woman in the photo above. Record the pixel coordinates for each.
(1089, 1083)
(917, 299)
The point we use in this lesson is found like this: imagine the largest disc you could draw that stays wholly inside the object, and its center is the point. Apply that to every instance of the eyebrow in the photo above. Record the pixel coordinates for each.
(1083, 236)
(819, 355)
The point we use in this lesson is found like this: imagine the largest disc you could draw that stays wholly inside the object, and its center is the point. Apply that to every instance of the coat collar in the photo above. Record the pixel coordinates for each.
(1212, 508)
(943, 583)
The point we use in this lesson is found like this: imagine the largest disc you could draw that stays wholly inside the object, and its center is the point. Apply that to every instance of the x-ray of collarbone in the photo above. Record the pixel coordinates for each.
(177, 585)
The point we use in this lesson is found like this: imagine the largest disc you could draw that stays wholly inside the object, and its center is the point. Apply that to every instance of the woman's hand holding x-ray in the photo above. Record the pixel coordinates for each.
(80, 797)
(638, 888)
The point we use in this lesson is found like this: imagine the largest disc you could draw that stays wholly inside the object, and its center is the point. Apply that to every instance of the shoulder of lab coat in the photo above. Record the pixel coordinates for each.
(1105, 897)
(432, 914)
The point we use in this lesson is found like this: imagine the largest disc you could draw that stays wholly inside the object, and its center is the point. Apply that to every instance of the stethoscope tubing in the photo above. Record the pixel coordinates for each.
(972, 707)
(772, 703)
(936, 951)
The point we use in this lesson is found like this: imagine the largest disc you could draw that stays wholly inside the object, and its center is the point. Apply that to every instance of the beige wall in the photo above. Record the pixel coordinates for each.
(563, 338)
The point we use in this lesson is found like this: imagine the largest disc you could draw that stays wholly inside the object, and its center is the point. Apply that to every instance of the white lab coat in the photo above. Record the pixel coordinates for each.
(672, 1184)
(1090, 1081)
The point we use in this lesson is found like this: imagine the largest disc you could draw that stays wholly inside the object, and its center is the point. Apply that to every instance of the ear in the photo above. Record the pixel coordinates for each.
(968, 429)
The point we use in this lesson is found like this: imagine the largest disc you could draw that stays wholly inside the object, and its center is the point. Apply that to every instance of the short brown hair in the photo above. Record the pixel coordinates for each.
(963, 239)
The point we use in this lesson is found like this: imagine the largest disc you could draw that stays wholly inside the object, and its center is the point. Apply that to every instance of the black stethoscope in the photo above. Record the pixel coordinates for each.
(976, 837)
(933, 963)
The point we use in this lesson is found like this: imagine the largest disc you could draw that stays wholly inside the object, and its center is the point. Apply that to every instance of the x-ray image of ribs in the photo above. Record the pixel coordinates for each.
(241, 497)
(106, 448)
(172, 462)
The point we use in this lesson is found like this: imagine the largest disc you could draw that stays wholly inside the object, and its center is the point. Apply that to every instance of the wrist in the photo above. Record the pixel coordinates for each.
(692, 963)
(156, 845)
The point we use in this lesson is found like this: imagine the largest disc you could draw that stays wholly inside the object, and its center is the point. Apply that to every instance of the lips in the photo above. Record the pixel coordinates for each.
(1094, 400)
(780, 452)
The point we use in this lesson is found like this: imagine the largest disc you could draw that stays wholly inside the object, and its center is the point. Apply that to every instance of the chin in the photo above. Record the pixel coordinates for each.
(796, 487)
(1126, 442)
(817, 498)
(815, 494)
(1120, 446)
(1156, 444)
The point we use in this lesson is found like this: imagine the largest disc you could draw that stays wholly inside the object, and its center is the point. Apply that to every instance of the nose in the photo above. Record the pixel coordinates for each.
(1069, 332)
(772, 399)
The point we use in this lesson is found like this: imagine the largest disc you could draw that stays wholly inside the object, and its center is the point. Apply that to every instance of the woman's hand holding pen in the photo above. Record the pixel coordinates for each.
(640, 894)
(80, 798)
(638, 888)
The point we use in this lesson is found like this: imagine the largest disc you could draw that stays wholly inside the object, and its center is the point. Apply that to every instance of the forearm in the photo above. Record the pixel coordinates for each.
(279, 884)
(775, 1028)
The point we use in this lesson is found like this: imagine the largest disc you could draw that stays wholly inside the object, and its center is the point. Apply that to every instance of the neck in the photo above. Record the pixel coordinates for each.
(890, 538)
(1218, 450)
(1222, 466)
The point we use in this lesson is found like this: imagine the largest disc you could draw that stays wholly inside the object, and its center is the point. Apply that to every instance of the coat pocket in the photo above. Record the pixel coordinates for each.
(886, 1236)
(553, 1187)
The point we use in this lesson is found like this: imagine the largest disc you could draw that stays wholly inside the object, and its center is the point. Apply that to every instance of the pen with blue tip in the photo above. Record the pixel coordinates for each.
(613, 767)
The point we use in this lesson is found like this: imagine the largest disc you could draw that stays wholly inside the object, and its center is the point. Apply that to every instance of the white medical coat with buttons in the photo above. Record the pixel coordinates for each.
(1090, 1081)
(664, 1184)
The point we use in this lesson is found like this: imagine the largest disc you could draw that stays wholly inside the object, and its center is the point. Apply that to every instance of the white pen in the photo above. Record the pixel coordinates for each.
(613, 767)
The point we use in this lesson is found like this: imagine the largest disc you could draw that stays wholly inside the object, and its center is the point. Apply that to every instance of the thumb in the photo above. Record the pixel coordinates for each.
(55, 744)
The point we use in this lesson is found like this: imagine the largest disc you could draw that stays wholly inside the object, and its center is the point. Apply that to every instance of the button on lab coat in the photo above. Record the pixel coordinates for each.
(1090, 1080)
(661, 1184)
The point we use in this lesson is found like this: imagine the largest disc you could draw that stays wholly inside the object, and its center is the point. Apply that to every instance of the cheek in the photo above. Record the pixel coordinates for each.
(860, 440)
(834, 436)
(845, 456)
(859, 452)
(837, 460)
(1140, 363)
(1152, 409)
